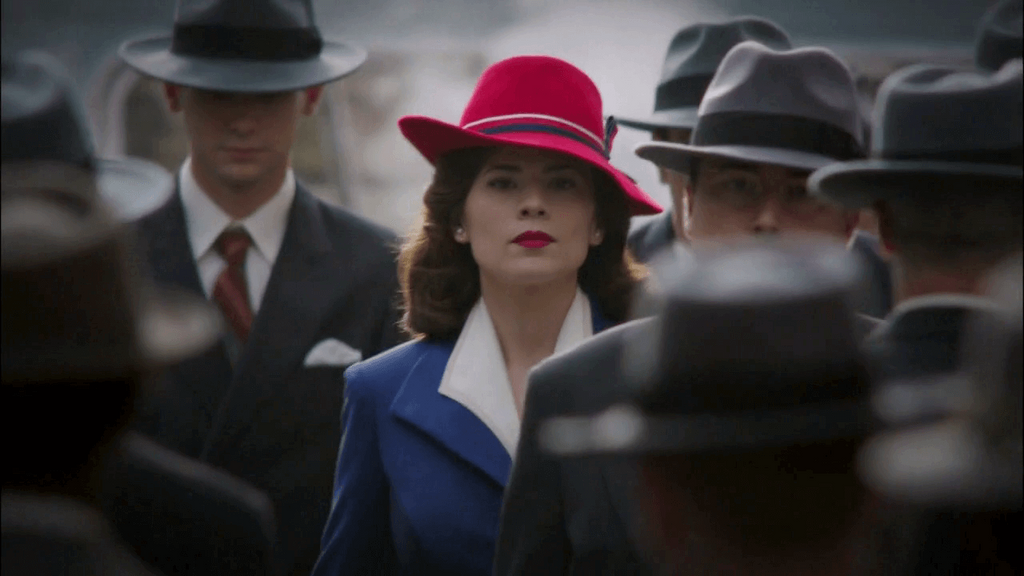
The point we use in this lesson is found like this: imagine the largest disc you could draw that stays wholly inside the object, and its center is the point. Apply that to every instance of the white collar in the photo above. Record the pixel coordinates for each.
(205, 220)
(476, 375)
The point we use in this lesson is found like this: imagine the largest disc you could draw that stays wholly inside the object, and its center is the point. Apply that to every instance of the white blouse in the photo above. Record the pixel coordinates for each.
(476, 375)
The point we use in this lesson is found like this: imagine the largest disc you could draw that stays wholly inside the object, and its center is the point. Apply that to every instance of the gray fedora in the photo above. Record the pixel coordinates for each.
(690, 62)
(936, 126)
(243, 46)
(1000, 35)
(970, 456)
(45, 132)
(74, 306)
(753, 347)
(793, 108)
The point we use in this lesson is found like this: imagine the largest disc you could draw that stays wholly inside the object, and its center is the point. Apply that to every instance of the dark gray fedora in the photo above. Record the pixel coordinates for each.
(794, 108)
(936, 127)
(753, 347)
(690, 62)
(45, 132)
(243, 46)
(74, 305)
(1000, 35)
(971, 455)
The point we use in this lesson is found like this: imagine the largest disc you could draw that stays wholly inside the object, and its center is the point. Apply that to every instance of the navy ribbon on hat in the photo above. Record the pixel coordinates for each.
(246, 42)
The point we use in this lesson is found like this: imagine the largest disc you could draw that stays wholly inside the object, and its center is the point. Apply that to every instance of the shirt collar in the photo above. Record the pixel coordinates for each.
(942, 300)
(477, 378)
(205, 220)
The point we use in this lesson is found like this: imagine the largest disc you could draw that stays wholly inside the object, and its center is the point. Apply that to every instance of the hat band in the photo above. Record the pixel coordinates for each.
(682, 92)
(776, 131)
(544, 129)
(246, 42)
(1011, 156)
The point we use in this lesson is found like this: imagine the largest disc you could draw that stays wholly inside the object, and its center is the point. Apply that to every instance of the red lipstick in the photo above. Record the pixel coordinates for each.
(534, 239)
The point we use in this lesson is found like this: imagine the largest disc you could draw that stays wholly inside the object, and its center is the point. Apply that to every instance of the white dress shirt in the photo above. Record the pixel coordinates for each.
(266, 226)
(476, 375)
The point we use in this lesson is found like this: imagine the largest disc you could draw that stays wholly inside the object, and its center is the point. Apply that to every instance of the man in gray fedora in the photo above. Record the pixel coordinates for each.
(747, 421)
(768, 118)
(692, 57)
(945, 180)
(306, 288)
(178, 515)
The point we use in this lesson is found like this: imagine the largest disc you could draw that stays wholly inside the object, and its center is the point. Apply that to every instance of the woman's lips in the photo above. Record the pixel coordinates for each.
(533, 239)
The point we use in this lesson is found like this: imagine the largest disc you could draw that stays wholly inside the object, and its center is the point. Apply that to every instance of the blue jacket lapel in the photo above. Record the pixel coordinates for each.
(419, 404)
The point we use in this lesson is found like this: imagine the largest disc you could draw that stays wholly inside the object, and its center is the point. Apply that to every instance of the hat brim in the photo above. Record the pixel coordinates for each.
(174, 326)
(133, 187)
(678, 157)
(434, 138)
(153, 57)
(627, 431)
(681, 118)
(860, 183)
(941, 464)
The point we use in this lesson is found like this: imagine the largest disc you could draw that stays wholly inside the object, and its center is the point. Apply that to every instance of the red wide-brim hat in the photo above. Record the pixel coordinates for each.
(536, 101)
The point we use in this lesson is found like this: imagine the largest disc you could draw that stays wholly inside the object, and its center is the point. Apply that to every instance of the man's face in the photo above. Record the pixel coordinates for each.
(240, 140)
(676, 181)
(731, 199)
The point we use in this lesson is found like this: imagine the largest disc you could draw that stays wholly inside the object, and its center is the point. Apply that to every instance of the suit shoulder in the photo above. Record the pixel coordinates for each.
(341, 220)
(386, 371)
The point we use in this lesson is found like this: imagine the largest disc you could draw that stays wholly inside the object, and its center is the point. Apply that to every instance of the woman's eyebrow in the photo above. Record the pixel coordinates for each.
(507, 167)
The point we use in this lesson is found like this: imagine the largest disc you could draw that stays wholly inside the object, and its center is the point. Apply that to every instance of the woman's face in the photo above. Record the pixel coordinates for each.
(530, 216)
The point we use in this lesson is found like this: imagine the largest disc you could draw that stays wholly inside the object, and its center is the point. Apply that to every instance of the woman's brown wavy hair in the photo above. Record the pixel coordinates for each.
(440, 281)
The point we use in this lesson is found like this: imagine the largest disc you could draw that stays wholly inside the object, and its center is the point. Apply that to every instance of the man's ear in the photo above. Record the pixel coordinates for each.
(886, 236)
(311, 99)
(172, 93)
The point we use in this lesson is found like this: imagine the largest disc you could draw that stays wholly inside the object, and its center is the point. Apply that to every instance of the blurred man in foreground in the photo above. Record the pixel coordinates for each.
(690, 62)
(747, 425)
(758, 135)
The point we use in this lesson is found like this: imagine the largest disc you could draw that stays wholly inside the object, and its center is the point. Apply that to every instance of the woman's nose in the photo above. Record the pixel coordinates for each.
(532, 204)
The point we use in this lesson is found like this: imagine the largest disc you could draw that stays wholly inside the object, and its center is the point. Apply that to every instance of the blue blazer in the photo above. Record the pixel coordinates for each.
(419, 478)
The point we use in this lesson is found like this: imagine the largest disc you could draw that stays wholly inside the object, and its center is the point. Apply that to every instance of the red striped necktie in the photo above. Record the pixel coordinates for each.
(231, 291)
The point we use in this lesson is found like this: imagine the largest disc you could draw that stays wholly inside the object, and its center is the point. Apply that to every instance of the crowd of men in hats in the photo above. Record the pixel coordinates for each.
(790, 396)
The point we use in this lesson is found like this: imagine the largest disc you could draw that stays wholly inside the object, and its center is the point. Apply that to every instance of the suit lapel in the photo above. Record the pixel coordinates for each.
(447, 422)
(165, 241)
(308, 276)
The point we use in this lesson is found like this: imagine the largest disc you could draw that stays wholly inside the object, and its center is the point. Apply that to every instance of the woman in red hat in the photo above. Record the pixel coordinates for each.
(521, 254)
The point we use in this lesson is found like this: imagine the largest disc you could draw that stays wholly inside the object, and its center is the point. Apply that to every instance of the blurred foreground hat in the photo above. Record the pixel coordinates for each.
(243, 46)
(73, 306)
(46, 132)
(936, 128)
(793, 108)
(1000, 35)
(754, 348)
(972, 455)
(691, 61)
(559, 111)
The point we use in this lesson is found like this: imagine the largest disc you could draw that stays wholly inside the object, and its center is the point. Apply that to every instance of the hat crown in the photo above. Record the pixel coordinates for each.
(1000, 38)
(699, 49)
(537, 87)
(766, 318)
(245, 13)
(940, 113)
(810, 83)
(42, 118)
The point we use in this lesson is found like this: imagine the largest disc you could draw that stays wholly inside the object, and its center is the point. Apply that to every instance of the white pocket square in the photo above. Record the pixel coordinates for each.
(332, 352)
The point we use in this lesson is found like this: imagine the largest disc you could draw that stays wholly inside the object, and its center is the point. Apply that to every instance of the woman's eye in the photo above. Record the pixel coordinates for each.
(739, 185)
(501, 183)
(563, 183)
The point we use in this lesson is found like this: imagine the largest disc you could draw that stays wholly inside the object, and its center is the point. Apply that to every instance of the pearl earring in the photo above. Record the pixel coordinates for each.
(460, 233)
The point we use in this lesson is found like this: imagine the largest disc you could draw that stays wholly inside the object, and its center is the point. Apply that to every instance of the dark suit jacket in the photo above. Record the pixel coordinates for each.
(651, 237)
(419, 492)
(182, 516)
(875, 296)
(573, 516)
(269, 420)
(53, 535)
